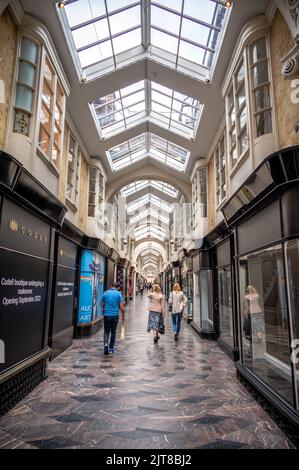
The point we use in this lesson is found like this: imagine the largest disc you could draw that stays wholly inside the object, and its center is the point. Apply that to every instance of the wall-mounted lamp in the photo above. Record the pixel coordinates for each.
(228, 4)
(61, 4)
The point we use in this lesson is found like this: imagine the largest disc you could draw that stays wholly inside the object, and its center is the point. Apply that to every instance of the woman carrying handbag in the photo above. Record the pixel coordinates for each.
(177, 301)
(156, 312)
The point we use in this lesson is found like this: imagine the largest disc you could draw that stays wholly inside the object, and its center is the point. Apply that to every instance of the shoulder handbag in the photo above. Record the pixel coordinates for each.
(162, 326)
(247, 327)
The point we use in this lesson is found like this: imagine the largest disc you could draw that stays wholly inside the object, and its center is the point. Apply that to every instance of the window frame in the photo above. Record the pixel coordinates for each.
(234, 108)
(269, 84)
(57, 84)
(219, 184)
(75, 183)
(99, 190)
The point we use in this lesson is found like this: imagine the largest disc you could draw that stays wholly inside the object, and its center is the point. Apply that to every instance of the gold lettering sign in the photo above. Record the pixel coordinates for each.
(28, 231)
(66, 254)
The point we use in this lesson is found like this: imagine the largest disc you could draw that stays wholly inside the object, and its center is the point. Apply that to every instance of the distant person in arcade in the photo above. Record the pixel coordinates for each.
(112, 303)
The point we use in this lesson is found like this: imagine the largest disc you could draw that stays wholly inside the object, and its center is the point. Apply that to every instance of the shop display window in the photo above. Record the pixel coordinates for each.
(225, 305)
(265, 330)
(292, 260)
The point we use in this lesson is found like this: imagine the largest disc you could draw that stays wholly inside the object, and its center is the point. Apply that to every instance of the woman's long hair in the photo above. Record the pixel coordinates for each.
(157, 289)
(176, 288)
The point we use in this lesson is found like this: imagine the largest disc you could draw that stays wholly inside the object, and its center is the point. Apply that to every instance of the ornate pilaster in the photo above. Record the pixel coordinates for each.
(290, 11)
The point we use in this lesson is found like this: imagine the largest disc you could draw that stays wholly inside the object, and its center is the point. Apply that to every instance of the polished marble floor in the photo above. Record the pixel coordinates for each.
(171, 395)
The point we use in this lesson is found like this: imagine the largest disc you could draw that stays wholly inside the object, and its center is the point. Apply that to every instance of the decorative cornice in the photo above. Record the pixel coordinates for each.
(290, 11)
(290, 63)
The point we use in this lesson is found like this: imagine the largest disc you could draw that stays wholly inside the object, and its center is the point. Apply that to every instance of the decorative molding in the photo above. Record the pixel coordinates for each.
(270, 11)
(198, 164)
(256, 27)
(38, 30)
(16, 10)
(290, 63)
(290, 11)
(3, 5)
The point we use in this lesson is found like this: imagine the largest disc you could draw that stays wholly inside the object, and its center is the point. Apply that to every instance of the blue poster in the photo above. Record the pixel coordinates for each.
(91, 286)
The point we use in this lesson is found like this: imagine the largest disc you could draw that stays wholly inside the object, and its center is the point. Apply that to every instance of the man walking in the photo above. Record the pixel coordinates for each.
(112, 302)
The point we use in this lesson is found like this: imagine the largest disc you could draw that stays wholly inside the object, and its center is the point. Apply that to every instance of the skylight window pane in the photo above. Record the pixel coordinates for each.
(165, 20)
(164, 100)
(173, 4)
(114, 5)
(158, 108)
(164, 41)
(202, 10)
(132, 99)
(193, 53)
(95, 54)
(195, 32)
(125, 20)
(91, 33)
(84, 10)
(127, 41)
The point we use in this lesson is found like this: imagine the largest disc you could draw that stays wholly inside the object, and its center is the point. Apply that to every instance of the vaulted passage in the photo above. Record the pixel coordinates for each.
(149, 145)
(170, 395)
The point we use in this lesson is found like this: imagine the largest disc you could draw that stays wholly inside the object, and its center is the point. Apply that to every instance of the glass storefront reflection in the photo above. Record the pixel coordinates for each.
(265, 332)
(292, 256)
(203, 299)
(225, 305)
(206, 300)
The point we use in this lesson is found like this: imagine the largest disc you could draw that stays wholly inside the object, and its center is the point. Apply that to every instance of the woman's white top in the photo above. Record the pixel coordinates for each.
(178, 301)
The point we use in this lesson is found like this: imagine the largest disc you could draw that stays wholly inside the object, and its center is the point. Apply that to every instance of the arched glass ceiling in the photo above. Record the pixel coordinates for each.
(105, 34)
(150, 214)
(139, 185)
(151, 145)
(146, 99)
(150, 230)
(151, 251)
(149, 198)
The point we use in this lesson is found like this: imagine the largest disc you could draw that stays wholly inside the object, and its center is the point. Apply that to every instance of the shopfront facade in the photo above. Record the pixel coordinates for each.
(29, 216)
(264, 216)
(187, 282)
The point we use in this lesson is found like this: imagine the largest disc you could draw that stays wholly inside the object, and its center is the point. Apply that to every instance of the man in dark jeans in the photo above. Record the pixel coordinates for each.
(112, 302)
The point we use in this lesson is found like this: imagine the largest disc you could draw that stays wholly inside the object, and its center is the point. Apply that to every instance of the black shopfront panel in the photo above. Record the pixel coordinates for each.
(260, 230)
(62, 318)
(110, 270)
(25, 243)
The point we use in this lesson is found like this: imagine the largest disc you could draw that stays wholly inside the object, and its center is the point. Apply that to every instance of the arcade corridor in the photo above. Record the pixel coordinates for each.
(174, 395)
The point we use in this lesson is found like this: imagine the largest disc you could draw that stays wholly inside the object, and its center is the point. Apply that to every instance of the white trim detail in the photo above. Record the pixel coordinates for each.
(36, 29)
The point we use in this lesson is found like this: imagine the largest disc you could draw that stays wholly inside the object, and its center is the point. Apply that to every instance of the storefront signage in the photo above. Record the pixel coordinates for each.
(24, 232)
(91, 286)
(24, 267)
(65, 285)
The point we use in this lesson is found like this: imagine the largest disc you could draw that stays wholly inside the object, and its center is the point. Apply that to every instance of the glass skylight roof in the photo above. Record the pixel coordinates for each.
(149, 213)
(150, 251)
(139, 185)
(103, 29)
(106, 34)
(151, 230)
(188, 30)
(129, 106)
(149, 199)
(151, 145)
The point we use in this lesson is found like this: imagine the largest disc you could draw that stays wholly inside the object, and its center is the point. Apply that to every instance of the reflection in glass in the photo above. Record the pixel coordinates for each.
(292, 254)
(266, 343)
(225, 305)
